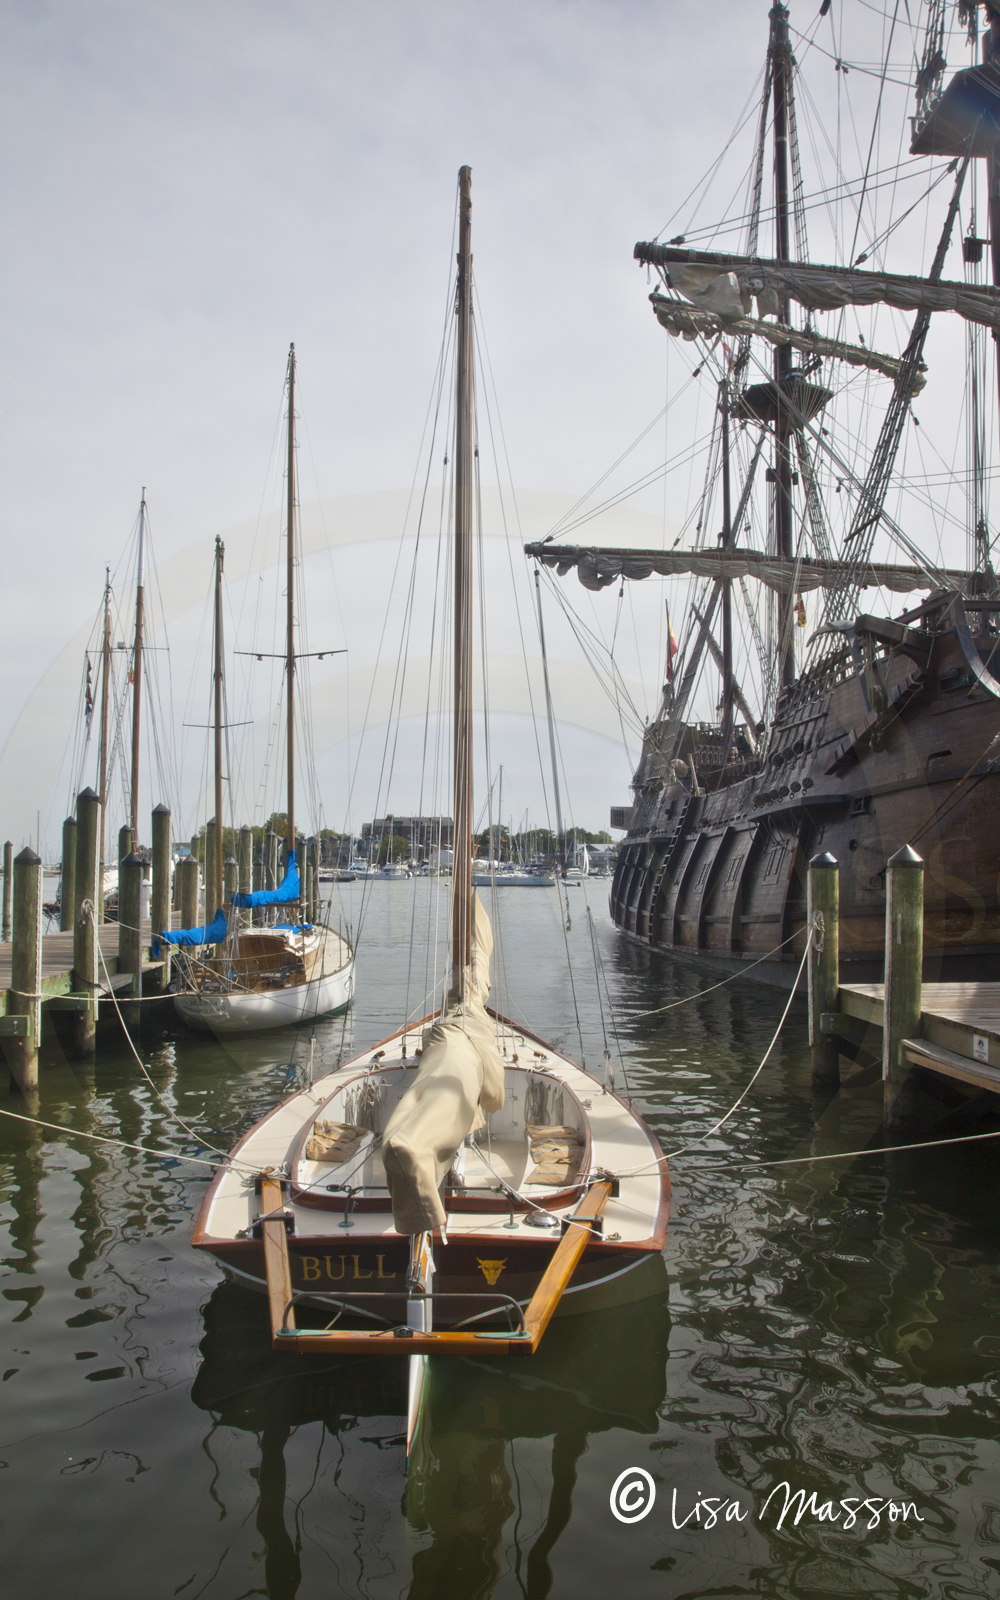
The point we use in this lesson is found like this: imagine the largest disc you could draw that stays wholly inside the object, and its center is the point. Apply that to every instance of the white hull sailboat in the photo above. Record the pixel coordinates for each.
(266, 972)
(322, 959)
(449, 1192)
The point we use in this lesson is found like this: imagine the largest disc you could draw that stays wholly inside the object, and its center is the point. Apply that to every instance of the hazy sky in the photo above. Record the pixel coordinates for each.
(188, 187)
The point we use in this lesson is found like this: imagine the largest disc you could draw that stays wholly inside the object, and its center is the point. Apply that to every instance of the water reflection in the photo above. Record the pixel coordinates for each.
(465, 1494)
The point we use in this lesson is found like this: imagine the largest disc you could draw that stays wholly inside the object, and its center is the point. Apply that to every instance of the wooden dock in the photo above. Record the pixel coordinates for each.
(57, 968)
(945, 1030)
(958, 1034)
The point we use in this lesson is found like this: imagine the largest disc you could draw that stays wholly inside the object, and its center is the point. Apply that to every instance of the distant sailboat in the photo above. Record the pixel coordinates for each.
(268, 974)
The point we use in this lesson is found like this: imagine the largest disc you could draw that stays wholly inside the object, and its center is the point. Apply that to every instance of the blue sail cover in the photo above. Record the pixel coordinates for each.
(287, 890)
(213, 934)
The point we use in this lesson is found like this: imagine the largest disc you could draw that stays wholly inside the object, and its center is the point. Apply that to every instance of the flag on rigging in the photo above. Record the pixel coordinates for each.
(88, 706)
(671, 646)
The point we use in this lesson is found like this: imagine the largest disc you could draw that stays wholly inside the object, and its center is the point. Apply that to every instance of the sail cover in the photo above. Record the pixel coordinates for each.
(727, 285)
(688, 322)
(461, 1069)
(213, 934)
(597, 568)
(287, 890)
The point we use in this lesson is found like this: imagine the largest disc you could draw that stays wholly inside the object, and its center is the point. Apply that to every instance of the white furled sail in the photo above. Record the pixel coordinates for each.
(460, 1071)
(728, 285)
(597, 568)
(689, 322)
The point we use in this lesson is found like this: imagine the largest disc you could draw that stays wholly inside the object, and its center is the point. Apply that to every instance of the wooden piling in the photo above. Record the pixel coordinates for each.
(130, 935)
(212, 844)
(230, 878)
(187, 872)
(126, 843)
(86, 979)
(258, 872)
(8, 888)
(159, 904)
(245, 858)
(824, 968)
(24, 998)
(66, 874)
(904, 954)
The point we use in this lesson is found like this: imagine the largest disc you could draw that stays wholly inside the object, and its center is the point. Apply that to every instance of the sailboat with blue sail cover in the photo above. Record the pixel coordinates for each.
(267, 960)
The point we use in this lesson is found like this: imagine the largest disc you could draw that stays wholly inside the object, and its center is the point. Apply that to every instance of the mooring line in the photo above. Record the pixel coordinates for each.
(120, 1144)
(669, 1154)
(142, 1068)
(634, 1016)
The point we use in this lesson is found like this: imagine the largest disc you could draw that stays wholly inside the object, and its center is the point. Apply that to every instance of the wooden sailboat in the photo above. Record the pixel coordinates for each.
(447, 1191)
(271, 968)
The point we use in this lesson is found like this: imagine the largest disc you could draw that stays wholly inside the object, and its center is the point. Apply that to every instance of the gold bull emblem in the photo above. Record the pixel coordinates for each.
(491, 1270)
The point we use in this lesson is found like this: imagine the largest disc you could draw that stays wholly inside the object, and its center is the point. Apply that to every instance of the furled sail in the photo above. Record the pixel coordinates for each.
(597, 568)
(288, 890)
(461, 1069)
(214, 933)
(691, 323)
(727, 285)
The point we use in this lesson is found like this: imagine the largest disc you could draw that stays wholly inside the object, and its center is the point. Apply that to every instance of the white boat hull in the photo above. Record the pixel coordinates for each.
(281, 1008)
(253, 1010)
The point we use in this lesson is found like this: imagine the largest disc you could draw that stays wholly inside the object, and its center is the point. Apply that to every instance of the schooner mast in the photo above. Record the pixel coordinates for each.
(217, 685)
(102, 776)
(779, 52)
(137, 679)
(290, 611)
(462, 933)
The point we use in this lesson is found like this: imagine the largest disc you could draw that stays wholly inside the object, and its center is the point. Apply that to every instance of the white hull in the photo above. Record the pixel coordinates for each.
(261, 1009)
(514, 880)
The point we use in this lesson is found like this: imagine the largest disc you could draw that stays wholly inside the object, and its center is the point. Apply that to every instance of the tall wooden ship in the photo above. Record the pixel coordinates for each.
(887, 729)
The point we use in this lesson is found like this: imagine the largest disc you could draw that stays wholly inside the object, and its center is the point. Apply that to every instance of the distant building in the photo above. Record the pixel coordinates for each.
(422, 834)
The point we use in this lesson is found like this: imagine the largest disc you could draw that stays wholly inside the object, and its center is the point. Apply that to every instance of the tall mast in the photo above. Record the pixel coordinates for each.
(290, 612)
(991, 52)
(461, 955)
(137, 680)
(102, 780)
(781, 63)
(727, 585)
(217, 682)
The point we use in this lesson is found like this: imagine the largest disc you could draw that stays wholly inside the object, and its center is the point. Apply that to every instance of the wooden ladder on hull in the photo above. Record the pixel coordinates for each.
(673, 845)
(405, 1342)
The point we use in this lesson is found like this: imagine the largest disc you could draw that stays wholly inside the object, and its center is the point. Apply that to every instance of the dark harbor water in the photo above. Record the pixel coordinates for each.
(835, 1328)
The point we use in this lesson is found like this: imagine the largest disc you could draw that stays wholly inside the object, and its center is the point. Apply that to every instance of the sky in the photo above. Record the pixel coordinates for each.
(188, 188)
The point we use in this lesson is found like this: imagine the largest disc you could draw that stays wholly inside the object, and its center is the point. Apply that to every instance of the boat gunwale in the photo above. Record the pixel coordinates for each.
(203, 1240)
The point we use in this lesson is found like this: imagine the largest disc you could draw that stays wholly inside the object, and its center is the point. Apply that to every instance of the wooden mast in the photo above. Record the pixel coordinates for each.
(137, 680)
(102, 781)
(781, 61)
(217, 684)
(290, 610)
(462, 852)
(727, 584)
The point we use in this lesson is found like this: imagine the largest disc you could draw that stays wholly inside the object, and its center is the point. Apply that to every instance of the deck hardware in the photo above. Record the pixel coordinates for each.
(287, 1217)
(595, 1224)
